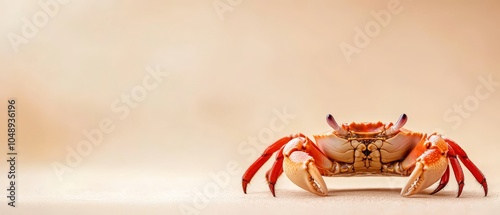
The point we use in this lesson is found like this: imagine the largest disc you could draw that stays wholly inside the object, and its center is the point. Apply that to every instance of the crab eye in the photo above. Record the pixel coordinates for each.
(427, 145)
(399, 124)
(332, 123)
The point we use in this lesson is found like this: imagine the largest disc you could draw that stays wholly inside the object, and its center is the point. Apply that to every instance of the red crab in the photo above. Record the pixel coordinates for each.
(364, 149)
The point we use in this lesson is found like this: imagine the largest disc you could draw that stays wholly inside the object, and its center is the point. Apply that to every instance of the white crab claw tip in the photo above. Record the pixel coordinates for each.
(316, 183)
(414, 182)
(301, 170)
(424, 175)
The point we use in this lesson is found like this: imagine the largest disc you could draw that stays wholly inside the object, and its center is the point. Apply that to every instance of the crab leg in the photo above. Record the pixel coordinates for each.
(247, 177)
(469, 164)
(274, 173)
(443, 182)
(303, 164)
(429, 166)
(457, 169)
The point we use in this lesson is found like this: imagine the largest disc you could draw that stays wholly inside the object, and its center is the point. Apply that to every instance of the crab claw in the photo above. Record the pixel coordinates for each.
(301, 170)
(429, 167)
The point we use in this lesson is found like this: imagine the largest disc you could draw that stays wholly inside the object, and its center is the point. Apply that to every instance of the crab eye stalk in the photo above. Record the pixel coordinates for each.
(332, 123)
(399, 124)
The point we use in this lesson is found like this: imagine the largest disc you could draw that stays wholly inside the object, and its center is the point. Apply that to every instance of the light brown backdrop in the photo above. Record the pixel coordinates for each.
(226, 77)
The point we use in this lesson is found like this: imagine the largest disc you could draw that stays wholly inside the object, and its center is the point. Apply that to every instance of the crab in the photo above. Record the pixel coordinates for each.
(366, 149)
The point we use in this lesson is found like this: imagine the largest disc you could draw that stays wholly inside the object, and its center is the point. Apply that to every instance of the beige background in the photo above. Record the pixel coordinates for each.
(225, 79)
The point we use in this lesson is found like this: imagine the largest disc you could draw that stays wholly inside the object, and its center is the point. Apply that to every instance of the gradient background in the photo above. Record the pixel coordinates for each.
(225, 79)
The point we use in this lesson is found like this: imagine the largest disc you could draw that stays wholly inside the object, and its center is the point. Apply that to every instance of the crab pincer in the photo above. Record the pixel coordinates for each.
(429, 166)
(301, 169)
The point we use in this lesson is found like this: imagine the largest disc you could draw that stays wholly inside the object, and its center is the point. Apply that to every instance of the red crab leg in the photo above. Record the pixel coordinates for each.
(444, 181)
(247, 177)
(469, 164)
(457, 169)
(275, 171)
